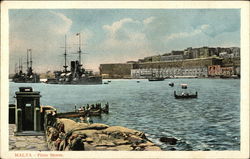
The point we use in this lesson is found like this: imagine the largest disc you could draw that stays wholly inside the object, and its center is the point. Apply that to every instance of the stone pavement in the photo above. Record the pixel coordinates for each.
(29, 143)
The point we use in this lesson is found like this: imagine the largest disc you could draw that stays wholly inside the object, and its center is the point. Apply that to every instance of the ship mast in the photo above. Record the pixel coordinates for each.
(79, 50)
(30, 59)
(27, 60)
(65, 56)
(15, 68)
(21, 65)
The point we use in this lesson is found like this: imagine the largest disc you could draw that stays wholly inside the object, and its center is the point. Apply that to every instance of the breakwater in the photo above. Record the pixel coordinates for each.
(65, 134)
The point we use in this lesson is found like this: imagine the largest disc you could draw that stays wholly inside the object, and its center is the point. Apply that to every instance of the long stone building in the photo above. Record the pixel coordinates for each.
(189, 67)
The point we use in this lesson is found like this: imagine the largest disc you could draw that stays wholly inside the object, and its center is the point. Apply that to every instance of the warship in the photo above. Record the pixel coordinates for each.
(76, 74)
(29, 77)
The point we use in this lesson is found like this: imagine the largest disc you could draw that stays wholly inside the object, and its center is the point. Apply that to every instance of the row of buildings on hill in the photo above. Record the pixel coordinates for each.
(192, 62)
(192, 53)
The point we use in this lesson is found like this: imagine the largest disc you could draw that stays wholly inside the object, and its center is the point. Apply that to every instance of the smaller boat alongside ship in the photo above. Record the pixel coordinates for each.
(92, 110)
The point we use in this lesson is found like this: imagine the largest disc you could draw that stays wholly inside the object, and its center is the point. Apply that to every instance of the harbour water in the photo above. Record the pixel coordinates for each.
(210, 122)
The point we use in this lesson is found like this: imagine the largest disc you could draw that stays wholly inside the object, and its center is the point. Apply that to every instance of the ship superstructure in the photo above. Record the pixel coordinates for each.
(76, 74)
(30, 76)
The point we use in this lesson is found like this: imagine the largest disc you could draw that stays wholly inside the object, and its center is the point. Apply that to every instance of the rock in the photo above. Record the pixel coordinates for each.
(31, 147)
(61, 128)
(68, 124)
(173, 148)
(52, 134)
(98, 126)
(134, 139)
(89, 147)
(152, 148)
(146, 144)
(67, 135)
(118, 135)
(57, 143)
(87, 133)
(169, 140)
(62, 145)
(121, 142)
(77, 144)
(120, 148)
(21, 144)
(120, 129)
(89, 140)
(80, 125)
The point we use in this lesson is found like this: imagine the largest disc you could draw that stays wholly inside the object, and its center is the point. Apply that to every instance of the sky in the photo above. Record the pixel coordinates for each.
(115, 35)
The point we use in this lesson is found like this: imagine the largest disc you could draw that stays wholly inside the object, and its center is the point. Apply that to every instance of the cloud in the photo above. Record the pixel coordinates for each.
(181, 35)
(148, 20)
(117, 26)
(125, 40)
(43, 32)
(64, 21)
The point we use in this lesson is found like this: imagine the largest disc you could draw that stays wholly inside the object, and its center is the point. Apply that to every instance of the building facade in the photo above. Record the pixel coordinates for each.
(169, 72)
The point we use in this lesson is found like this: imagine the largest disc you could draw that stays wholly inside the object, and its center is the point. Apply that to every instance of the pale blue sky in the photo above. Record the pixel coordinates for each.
(112, 35)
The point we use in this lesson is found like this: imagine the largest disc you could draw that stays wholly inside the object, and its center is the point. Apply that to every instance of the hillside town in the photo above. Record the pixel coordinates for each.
(203, 62)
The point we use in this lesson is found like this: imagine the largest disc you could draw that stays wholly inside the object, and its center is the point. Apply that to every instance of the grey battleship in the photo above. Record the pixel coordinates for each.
(29, 77)
(77, 74)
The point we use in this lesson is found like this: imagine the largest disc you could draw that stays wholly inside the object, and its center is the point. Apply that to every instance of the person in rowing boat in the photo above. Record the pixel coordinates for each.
(80, 109)
(107, 107)
(87, 107)
(92, 106)
(184, 94)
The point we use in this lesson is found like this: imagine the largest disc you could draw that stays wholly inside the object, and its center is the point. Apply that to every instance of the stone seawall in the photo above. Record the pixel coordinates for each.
(68, 135)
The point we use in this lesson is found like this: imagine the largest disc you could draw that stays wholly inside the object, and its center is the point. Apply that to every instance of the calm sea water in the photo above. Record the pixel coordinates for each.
(210, 122)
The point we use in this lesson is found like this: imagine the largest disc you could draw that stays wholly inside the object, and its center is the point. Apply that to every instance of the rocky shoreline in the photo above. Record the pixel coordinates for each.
(67, 135)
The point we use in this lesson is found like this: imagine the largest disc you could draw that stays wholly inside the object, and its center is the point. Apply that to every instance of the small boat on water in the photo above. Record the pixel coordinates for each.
(171, 84)
(156, 79)
(96, 112)
(105, 82)
(185, 95)
(184, 86)
(93, 110)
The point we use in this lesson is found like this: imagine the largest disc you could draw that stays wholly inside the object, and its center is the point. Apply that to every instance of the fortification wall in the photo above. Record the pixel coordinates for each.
(116, 70)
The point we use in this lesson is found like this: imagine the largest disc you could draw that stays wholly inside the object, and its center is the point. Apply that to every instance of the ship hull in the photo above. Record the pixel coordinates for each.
(85, 81)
